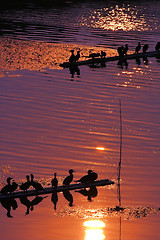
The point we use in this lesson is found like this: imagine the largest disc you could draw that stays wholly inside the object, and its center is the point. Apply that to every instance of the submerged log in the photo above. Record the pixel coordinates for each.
(48, 190)
(107, 59)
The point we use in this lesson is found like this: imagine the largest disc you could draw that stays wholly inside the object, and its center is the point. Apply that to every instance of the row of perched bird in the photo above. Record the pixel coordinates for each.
(12, 186)
(74, 58)
(122, 51)
(90, 177)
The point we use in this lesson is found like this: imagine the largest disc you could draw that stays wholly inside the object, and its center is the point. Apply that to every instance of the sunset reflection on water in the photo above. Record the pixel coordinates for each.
(117, 18)
(94, 230)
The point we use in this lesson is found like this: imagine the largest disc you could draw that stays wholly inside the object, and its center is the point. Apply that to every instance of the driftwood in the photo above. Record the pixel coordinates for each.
(107, 59)
(48, 190)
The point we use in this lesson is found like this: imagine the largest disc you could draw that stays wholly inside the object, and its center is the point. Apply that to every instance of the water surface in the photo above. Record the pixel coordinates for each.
(53, 120)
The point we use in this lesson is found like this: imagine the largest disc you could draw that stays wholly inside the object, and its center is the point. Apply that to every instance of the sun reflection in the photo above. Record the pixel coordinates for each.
(117, 18)
(94, 230)
(100, 148)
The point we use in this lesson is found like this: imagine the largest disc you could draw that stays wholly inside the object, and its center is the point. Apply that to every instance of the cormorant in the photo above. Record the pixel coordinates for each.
(157, 47)
(93, 55)
(120, 51)
(8, 187)
(26, 185)
(125, 49)
(103, 54)
(77, 56)
(137, 49)
(69, 178)
(72, 57)
(93, 176)
(35, 184)
(13, 187)
(54, 181)
(145, 48)
(86, 178)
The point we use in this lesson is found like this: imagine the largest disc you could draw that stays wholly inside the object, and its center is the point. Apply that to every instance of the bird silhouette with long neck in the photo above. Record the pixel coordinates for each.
(54, 181)
(69, 178)
(35, 184)
(24, 186)
(8, 188)
(137, 49)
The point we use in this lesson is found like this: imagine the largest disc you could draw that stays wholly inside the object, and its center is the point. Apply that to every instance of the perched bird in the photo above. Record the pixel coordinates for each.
(157, 47)
(54, 181)
(86, 178)
(125, 49)
(69, 178)
(72, 57)
(35, 184)
(120, 51)
(93, 176)
(13, 187)
(145, 48)
(93, 55)
(77, 56)
(26, 185)
(137, 49)
(103, 54)
(8, 187)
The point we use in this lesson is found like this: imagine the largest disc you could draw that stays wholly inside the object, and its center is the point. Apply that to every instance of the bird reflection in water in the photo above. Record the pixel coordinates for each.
(74, 70)
(91, 193)
(68, 196)
(94, 230)
(8, 204)
(30, 204)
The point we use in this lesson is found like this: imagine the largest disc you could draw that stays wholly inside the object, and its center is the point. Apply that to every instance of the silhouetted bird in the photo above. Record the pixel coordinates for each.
(8, 187)
(77, 56)
(26, 185)
(35, 184)
(68, 196)
(145, 48)
(157, 47)
(120, 51)
(103, 54)
(86, 178)
(125, 49)
(93, 176)
(94, 55)
(54, 181)
(137, 49)
(69, 178)
(54, 199)
(72, 57)
(14, 186)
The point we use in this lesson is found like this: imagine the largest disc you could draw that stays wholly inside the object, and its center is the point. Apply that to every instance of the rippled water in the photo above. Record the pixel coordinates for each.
(53, 119)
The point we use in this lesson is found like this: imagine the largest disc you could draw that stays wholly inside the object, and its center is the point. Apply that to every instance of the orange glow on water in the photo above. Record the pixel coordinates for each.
(94, 230)
(100, 148)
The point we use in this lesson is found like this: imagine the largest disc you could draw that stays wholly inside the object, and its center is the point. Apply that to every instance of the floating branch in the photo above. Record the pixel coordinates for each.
(107, 59)
(48, 190)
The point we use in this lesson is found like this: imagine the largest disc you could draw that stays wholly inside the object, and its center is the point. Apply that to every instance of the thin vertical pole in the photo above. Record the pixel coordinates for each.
(120, 157)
